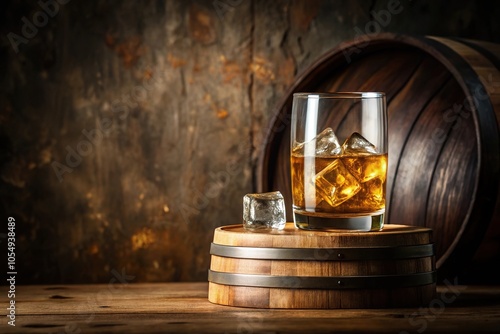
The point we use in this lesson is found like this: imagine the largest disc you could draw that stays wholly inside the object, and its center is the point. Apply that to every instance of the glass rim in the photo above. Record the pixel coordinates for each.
(340, 95)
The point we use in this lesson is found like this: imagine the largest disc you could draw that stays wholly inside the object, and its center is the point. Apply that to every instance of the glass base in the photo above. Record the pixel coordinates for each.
(344, 224)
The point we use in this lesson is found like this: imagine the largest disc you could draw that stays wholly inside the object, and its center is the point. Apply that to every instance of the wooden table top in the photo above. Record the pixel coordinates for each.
(184, 308)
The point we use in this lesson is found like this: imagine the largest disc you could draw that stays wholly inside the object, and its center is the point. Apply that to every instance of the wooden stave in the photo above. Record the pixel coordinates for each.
(252, 297)
(483, 209)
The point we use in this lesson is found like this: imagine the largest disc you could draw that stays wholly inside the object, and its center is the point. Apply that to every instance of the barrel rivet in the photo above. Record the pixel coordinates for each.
(340, 255)
(340, 283)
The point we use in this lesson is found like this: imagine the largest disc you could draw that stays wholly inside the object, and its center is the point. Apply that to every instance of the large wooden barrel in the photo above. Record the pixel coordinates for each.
(443, 100)
(310, 269)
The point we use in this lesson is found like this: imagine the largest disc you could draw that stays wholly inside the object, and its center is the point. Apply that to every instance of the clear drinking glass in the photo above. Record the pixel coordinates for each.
(339, 160)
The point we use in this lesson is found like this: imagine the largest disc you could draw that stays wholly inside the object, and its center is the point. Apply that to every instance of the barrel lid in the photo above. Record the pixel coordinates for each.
(292, 237)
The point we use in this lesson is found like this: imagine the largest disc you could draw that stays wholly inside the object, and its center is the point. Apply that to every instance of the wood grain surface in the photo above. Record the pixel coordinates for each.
(291, 237)
(129, 131)
(184, 308)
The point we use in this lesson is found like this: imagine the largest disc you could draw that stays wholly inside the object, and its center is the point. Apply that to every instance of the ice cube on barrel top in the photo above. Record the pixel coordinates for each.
(264, 211)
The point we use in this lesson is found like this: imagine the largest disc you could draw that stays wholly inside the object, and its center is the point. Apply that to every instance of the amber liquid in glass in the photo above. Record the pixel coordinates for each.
(339, 186)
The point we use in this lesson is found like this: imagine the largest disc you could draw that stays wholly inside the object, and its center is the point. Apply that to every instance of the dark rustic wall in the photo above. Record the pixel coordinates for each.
(130, 130)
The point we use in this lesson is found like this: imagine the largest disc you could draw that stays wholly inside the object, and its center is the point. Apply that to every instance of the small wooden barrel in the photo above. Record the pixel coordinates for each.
(311, 269)
(443, 98)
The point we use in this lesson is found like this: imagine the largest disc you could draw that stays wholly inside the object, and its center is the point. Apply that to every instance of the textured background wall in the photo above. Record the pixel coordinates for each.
(130, 130)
